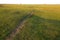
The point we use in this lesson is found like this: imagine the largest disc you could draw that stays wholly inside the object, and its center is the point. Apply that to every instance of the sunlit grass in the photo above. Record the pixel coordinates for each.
(9, 19)
(44, 24)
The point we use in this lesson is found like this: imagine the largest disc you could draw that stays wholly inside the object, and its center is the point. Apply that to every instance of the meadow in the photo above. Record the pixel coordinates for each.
(37, 28)
(43, 25)
(9, 19)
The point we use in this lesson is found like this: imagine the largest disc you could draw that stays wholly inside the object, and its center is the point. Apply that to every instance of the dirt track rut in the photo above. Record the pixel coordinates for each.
(18, 28)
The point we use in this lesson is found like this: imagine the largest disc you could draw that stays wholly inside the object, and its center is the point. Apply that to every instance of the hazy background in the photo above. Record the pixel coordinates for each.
(29, 1)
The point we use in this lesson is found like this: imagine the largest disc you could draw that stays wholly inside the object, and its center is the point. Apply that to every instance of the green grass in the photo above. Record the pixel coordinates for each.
(9, 19)
(43, 25)
(38, 28)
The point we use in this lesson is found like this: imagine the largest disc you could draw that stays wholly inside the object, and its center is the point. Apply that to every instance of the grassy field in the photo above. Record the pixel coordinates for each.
(9, 19)
(37, 28)
(43, 25)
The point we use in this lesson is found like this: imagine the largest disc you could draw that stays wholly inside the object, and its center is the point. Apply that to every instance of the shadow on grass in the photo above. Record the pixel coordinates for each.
(50, 29)
(40, 29)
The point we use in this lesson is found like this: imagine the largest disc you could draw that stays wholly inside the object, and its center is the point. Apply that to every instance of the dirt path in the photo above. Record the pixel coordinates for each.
(18, 28)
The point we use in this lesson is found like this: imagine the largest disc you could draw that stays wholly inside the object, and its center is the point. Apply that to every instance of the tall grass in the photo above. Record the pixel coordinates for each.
(43, 25)
(9, 19)
(38, 28)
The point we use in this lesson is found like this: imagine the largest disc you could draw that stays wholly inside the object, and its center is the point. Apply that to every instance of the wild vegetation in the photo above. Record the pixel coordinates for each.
(9, 19)
(38, 28)
(43, 25)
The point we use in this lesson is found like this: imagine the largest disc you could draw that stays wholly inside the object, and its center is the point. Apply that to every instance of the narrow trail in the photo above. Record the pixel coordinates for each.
(19, 27)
